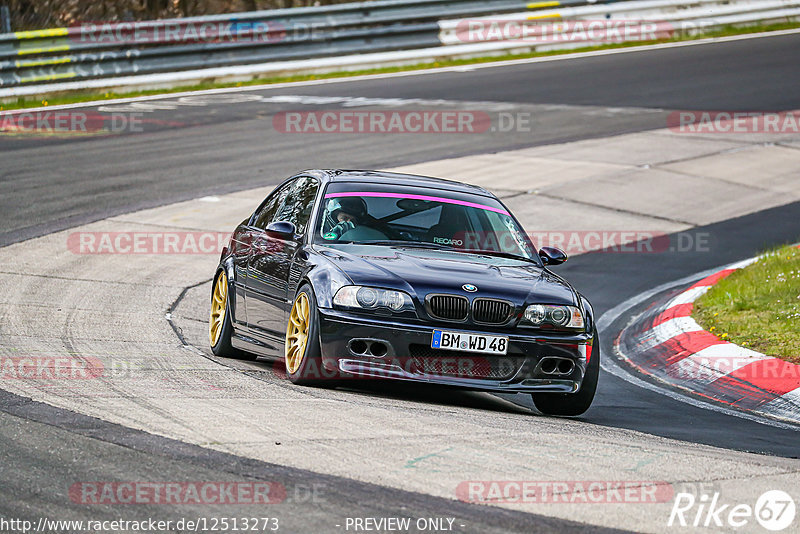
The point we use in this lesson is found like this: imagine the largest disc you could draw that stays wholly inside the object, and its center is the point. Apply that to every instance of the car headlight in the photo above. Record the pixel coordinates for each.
(372, 298)
(557, 316)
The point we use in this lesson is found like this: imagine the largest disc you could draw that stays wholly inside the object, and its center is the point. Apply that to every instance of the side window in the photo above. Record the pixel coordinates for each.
(298, 203)
(269, 210)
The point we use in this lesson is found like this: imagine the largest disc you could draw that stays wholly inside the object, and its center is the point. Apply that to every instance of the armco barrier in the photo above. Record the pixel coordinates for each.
(662, 18)
(102, 50)
(316, 39)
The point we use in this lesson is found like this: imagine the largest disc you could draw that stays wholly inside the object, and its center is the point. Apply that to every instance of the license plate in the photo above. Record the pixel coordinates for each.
(465, 341)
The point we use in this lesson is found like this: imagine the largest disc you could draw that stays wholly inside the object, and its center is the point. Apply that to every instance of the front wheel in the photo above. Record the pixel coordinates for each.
(302, 354)
(572, 404)
(219, 323)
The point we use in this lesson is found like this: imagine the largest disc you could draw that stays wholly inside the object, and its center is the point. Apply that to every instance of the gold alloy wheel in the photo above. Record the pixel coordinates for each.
(219, 302)
(297, 333)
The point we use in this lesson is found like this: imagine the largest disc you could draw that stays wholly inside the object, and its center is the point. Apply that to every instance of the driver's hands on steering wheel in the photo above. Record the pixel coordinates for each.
(342, 228)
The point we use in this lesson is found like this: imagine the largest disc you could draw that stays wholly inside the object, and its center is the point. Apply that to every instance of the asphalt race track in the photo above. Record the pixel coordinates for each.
(107, 176)
(218, 144)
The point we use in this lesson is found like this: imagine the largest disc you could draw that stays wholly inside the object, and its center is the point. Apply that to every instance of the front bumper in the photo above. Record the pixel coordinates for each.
(408, 355)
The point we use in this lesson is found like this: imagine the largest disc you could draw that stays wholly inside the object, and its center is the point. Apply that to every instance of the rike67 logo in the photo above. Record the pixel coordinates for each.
(774, 510)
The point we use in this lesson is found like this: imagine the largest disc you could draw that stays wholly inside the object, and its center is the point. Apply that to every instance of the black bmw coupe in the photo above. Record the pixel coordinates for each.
(357, 275)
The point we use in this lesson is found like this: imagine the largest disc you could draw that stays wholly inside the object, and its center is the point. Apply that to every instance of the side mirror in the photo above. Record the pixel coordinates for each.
(552, 255)
(281, 230)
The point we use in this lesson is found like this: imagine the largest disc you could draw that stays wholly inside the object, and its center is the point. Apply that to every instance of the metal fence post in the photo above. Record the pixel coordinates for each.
(5, 19)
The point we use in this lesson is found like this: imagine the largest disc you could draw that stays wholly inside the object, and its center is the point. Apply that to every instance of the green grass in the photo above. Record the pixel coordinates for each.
(85, 96)
(758, 307)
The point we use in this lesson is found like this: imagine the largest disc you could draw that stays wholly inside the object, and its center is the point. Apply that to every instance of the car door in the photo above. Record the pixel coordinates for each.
(270, 268)
(240, 248)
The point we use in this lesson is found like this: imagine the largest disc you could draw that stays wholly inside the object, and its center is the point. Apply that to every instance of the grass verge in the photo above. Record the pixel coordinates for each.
(758, 307)
(89, 95)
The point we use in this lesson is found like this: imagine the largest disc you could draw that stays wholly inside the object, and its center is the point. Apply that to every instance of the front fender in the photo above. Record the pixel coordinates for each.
(588, 312)
(326, 281)
(233, 283)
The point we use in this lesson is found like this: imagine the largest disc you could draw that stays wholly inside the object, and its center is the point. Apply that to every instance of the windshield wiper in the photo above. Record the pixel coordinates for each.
(408, 244)
(436, 246)
(497, 253)
(393, 243)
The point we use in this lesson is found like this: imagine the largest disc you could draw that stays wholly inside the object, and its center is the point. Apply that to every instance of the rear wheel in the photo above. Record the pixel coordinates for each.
(219, 323)
(302, 354)
(572, 404)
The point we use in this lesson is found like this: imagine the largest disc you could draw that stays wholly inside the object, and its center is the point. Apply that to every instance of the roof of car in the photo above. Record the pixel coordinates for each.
(341, 175)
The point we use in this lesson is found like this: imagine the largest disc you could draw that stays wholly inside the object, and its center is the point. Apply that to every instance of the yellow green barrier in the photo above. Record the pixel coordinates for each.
(42, 62)
(39, 34)
(541, 5)
(43, 50)
(49, 77)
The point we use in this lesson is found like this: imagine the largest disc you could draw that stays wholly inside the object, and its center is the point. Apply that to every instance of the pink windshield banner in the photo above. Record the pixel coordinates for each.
(417, 197)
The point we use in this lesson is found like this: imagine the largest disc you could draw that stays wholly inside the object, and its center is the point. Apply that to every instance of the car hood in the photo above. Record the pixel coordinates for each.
(421, 272)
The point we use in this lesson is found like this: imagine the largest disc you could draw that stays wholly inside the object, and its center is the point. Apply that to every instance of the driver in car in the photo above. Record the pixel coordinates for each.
(343, 215)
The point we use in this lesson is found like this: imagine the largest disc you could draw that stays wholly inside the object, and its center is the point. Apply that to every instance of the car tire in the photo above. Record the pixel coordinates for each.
(219, 324)
(573, 404)
(302, 354)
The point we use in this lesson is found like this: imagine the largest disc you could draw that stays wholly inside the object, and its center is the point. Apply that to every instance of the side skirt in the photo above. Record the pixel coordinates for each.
(245, 341)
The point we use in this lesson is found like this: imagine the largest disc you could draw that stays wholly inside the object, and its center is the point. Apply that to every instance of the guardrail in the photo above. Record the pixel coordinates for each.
(337, 36)
(638, 20)
(99, 50)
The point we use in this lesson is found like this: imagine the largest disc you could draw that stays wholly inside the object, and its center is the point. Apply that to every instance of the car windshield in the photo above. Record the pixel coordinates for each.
(414, 216)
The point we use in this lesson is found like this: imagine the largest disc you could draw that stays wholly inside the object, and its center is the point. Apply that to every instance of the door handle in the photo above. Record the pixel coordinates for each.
(268, 245)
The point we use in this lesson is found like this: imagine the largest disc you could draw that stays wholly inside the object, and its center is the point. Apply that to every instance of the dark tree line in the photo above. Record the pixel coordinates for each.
(38, 14)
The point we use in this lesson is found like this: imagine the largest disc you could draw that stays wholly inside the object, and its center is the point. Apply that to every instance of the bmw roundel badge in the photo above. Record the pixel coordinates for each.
(469, 288)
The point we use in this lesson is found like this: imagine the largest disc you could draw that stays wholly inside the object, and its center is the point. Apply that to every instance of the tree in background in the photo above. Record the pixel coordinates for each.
(38, 14)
